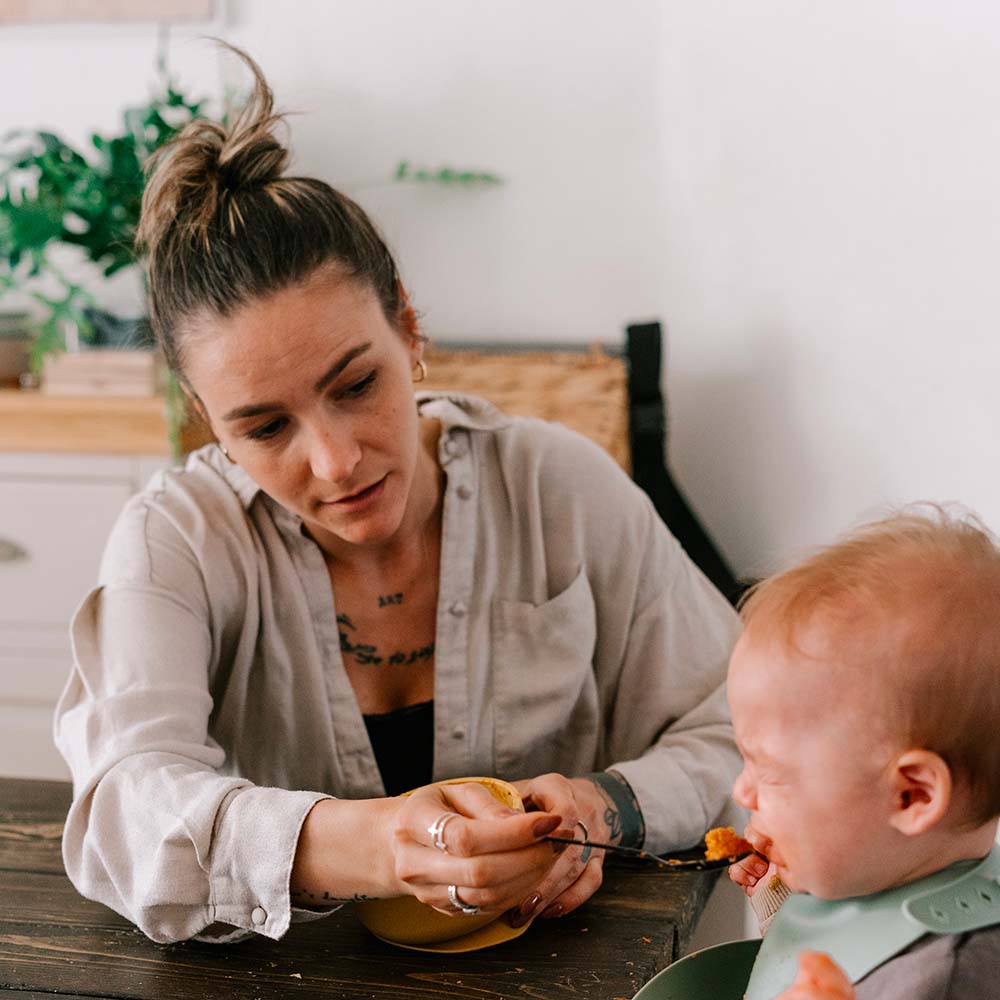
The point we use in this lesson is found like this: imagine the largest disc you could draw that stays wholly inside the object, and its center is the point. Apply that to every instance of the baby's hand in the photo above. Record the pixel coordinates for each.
(819, 978)
(749, 871)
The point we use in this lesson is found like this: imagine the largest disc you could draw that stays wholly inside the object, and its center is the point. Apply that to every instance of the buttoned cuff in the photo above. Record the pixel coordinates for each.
(257, 834)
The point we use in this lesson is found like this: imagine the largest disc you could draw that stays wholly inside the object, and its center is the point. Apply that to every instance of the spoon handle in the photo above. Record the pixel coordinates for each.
(669, 864)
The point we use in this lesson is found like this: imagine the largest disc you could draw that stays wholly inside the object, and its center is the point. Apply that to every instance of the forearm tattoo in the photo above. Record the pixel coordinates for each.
(621, 811)
(368, 653)
(304, 898)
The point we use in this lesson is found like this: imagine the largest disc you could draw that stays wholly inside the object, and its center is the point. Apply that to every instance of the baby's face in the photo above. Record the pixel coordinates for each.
(814, 776)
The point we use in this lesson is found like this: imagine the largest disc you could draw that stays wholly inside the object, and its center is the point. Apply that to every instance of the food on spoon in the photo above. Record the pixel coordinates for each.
(723, 842)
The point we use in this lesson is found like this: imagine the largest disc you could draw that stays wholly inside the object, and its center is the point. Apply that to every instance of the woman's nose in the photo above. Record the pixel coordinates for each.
(334, 457)
(744, 792)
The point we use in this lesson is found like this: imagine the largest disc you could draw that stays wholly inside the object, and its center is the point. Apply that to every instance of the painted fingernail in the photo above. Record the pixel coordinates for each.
(545, 825)
(520, 916)
(556, 910)
(557, 846)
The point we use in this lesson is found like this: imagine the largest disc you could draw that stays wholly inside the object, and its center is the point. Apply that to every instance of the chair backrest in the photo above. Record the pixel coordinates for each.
(586, 390)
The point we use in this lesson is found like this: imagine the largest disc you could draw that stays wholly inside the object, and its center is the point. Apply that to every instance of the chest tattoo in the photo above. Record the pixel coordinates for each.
(368, 654)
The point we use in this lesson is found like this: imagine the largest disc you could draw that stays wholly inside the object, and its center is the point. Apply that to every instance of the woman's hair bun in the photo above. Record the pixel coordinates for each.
(207, 164)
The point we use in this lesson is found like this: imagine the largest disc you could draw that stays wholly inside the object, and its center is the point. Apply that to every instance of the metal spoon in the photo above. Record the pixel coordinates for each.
(667, 864)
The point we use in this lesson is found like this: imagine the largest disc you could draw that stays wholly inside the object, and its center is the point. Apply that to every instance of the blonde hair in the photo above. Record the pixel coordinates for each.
(913, 600)
(223, 225)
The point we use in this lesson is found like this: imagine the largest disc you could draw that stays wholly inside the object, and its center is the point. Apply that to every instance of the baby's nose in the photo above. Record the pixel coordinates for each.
(744, 792)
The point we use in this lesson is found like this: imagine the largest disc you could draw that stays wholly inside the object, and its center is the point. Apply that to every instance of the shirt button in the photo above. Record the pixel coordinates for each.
(458, 609)
(464, 492)
(454, 447)
(258, 916)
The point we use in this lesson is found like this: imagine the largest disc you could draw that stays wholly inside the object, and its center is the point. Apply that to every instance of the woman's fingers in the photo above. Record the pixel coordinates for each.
(552, 793)
(493, 882)
(461, 835)
(481, 824)
(560, 878)
(579, 891)
(819, 978)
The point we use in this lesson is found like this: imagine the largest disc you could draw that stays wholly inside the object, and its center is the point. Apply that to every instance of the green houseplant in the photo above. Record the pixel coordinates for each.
(52, 195)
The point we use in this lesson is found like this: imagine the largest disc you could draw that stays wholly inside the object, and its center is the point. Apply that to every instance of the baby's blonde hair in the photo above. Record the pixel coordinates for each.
(912, 602)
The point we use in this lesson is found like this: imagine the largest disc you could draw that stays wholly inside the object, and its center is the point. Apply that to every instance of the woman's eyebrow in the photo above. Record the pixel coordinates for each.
(338, 366)
(256, 409)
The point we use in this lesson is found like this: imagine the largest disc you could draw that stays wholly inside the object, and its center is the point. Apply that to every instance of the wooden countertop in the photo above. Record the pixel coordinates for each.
(109, 425)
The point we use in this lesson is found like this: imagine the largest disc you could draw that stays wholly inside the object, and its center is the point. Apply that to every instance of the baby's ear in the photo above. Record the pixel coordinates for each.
(922, 790)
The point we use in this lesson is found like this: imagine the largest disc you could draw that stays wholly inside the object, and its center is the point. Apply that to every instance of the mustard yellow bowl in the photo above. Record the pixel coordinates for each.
(407, 922)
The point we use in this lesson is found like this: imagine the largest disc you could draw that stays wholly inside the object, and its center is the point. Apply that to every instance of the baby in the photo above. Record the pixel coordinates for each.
(865, 695)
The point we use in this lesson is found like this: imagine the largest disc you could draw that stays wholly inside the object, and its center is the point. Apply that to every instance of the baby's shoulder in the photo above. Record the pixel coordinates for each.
(939, 967)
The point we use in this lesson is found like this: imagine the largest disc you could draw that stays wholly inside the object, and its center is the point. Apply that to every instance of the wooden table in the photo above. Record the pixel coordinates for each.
(54, 941)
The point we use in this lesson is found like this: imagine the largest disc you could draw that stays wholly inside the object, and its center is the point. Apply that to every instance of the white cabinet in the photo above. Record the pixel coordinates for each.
(56, 512)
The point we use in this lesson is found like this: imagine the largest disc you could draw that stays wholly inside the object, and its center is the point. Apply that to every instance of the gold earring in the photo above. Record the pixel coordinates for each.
(225, 451)
(422, 368)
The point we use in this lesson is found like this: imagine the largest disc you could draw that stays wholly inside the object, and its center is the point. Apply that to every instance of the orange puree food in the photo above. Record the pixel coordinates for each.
(722, 842)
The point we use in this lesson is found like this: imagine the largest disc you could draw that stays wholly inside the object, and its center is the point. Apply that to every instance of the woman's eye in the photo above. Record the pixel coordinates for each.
(360, 388)
(268, 430)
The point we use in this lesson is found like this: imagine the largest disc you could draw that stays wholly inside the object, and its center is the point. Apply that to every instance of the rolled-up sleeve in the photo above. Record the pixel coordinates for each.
(157, 830)
(671, 697)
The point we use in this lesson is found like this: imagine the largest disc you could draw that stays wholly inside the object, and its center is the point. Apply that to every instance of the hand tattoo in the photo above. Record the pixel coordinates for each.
(386, 599)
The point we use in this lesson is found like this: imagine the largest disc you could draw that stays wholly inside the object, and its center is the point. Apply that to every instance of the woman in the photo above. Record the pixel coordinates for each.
(357, 592)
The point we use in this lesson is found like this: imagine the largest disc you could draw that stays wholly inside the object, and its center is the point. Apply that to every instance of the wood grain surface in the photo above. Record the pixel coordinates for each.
(54, 941)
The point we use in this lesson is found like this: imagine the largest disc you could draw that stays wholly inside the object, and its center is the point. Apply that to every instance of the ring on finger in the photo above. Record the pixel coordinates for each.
(585, 853)
(436, 830)
(460, 904)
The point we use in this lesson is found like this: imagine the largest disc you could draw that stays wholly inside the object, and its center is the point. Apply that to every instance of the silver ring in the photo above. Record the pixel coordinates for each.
(436, 830)
(585, 853)
(469, 911)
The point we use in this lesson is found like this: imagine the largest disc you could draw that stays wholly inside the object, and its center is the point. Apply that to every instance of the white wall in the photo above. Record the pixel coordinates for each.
(805, 192)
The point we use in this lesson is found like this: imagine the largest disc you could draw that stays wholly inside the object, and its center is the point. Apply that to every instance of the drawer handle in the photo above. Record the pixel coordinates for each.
(11, 551)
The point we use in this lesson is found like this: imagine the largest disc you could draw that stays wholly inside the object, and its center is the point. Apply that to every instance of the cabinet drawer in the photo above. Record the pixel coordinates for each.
(52, 534)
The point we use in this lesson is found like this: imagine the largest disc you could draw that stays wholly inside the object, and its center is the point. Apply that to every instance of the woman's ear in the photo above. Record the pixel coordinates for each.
(921, 790)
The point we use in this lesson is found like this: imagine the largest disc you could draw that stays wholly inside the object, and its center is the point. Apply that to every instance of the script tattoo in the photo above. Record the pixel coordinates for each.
(367, 653)
(303, 897)
(386, 599)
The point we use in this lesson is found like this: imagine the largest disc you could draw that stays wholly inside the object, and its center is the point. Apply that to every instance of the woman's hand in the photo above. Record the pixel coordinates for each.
(819, 978)
(578, 874)
(492, 854)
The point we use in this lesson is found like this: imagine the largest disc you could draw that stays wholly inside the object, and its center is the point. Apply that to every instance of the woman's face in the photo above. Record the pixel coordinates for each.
(310, 391)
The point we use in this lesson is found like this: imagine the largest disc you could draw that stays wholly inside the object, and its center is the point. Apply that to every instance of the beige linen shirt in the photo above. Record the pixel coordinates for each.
(208, 707)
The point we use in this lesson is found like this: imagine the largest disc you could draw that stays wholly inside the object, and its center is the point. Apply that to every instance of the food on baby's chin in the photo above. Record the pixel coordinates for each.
(723, 842)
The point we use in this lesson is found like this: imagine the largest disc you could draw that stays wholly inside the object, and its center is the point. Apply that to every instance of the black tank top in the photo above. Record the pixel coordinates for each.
(403, 742)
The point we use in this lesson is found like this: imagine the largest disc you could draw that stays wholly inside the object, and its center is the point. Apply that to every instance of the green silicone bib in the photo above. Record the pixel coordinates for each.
(860, 934)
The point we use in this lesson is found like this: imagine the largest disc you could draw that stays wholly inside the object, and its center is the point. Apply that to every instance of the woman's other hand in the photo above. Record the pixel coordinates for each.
(492, 854)
(819, 978)
(578, 874)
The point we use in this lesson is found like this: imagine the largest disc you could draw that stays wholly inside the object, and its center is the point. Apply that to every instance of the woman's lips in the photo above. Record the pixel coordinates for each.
(361, 499)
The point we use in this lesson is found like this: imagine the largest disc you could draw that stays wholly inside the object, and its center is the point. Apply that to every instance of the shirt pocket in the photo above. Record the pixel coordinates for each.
(546, 711)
